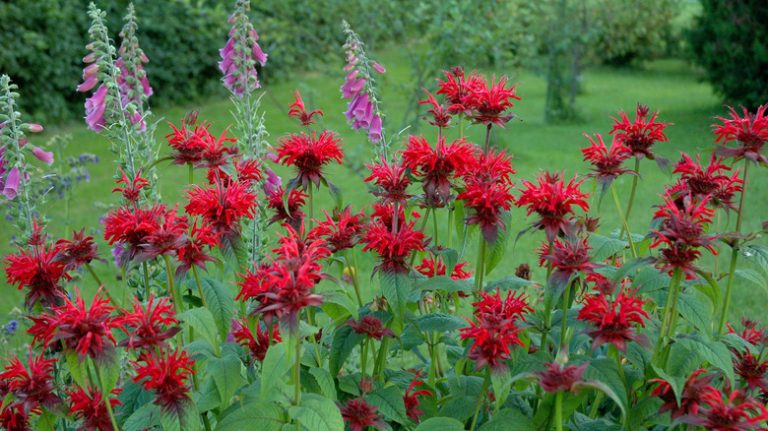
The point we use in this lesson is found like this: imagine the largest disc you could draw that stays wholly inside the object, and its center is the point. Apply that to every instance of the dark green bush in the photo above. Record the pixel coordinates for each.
(730, 41)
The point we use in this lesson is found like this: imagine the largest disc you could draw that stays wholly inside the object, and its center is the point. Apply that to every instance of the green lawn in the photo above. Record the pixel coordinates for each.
(669, 86)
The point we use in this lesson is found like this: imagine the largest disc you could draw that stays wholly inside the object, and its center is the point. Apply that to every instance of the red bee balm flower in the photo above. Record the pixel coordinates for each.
(393, 248)
(193, 251)
(31, 387)
(359, 415)
(690, 399)
(489, 102)
(297, 110)
(488, 202)
(79, 251)
(167, 373)
(371, 327)
(38, 270)
(189, 145)
(440, 116)
(567, 257)
(606, 163)
(148, 326)
(613, 321)
(641, 134)
(87, 331)
(494, 329)
(458, 87)
(222, 206)
(131, 189)
(342, 231)
(750, 131)
(731, 412)
(559, 377)
(553, 200)
(432, 267)
(144, 231)
(437, 167)
(411, 399)
(701, 183)
(392, 180)
(293, 215)
(682, 231)
(88, 405)
(308, 154)
(257, 344)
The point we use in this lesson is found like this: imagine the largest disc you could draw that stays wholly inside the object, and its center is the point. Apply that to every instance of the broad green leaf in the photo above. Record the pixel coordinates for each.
(440, 424)
(511, 282)
(682, 361)
(274, 367)
(220, 303)
(753, 277)
(202, 321)
(170, 421)
(324, 381)
(226, 374)
(146, 417)
(498, 248)
(396, 288)
(696, 311)
(604, 247)
(714, 352)
(440, 322)
(509, 420)
(389, 400)
(317, 413)
(343, 302)
(443, 283)
(606, 373)
(460, 407)
(76, 367)
(501, 383)
(344, 341)
(133, 397)
(256, 415)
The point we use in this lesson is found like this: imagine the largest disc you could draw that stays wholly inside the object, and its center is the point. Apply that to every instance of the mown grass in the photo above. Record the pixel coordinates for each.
(669, 86)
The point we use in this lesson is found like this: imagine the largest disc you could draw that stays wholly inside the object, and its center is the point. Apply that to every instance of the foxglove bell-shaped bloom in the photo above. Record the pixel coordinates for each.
(241, 53)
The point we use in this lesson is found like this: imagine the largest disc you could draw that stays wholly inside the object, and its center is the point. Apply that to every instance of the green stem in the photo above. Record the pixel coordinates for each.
(381, 359)
(449, 240)
(481, 399)
(434, 227)
(297, 375)
(667, 308)
(191, 173)
(146, 276)
(353, 276)
(199, 286)
(311, 205)
(564, 318)
(480, 270)
(632, 192)
(559, 411)
(625, 224)
(105, 396)
(171, 285)
(364, 356)
(734, 253)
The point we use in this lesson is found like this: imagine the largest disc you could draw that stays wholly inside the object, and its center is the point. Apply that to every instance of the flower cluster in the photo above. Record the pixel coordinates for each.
(308, 154)
(641, 134)
(613, 320)
(606, 163)
(750, 132)
(241, 53)
(484, 102)
(554, 201)
(438, 167)
(711, 183)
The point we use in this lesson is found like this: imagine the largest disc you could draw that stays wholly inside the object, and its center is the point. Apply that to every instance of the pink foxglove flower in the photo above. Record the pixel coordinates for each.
(241, 53)
(95, 107)
(132, 80)
(42, 155)
(11, 183)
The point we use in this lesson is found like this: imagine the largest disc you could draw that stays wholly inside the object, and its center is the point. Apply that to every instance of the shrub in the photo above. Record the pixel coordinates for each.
(730, 42)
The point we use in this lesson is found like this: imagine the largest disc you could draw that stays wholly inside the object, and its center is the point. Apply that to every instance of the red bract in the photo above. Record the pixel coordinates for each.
(359, 415)
(489, 102)
(559, 377)
(286, 211)
(188, 145)
(371, 326)
(440, 116)
(393, 248)
(606, 163)
(567, 257)
(434, 266)
(297, 110)
(88, 405)
(729, 412)
(437, 167)
(37, 270)
(749, 130)
(690, 399)
(681, 230)
(309, 154)
(12, 418)
(752, 370)
(87, 331)
(411, 399)
(131, 189)
(254, 285)
(31, 386)
(392, 180)
(286, 286)
(132, 228)
(167, 373)
(641, 134)
(248, 171)
(168, 237)
(488, 202)
(553, 200)
(613, 320)
(222, 206)
(490, 167)
(193, 250)
(78, 251)
(216, 153)
(458, 87)
(494, 330)
(257, 344)
(711, 182)
(342, 231)
(149, 325)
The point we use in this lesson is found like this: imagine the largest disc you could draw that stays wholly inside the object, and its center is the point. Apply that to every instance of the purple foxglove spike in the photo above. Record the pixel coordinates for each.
(42, 155)
(94, 109)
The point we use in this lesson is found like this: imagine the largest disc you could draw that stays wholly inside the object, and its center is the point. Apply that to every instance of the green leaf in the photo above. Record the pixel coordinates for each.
(753, 277)
(498, 248)
(274, 367)
(324, 381)
(343, 302)
(758, 254)
(696, 311)
(76, 367)
(440, 424)
(605, 373)
(682, 360)
(509, 420)
(170, 421)
(220, 303)
(501, 383)
(344, 341)
(440, 322)
(389, 400)
(443, 283)
(226, 374)
(604, 247)
(675, 382)
(133, 398)
(202, 321)
(317, 413)
(714, 352)
(511, 282)
(396, 288)
(255, 415)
